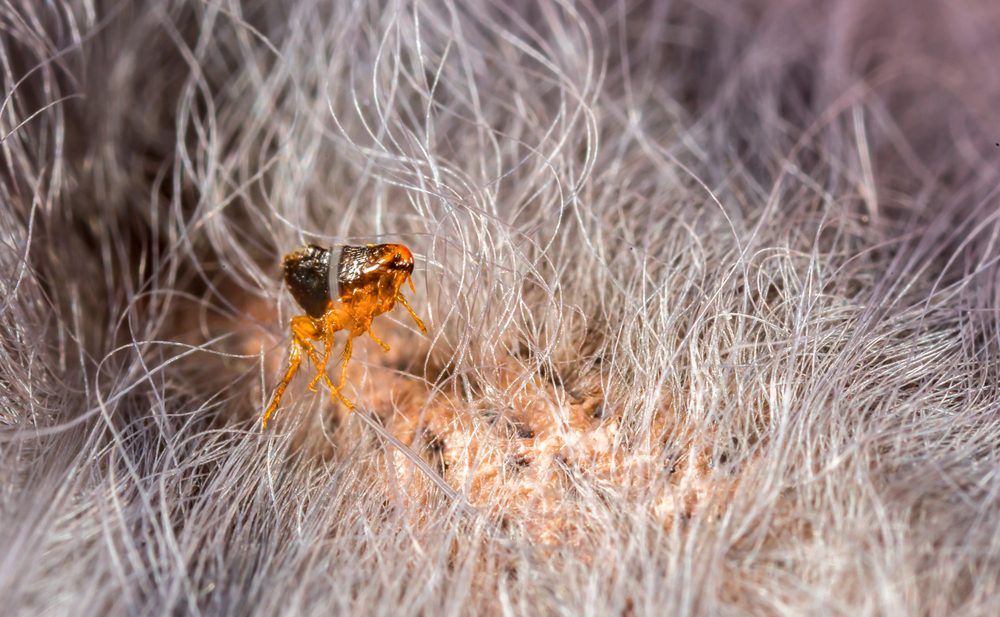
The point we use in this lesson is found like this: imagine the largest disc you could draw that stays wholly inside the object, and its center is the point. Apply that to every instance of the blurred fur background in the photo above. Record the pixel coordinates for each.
(712, 291)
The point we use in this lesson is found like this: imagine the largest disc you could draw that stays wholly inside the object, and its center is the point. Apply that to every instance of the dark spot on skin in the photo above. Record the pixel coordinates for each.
(519, 461)
(671, 463)
(434, 442)
(435, 447)
(629, 609)
(510, 422)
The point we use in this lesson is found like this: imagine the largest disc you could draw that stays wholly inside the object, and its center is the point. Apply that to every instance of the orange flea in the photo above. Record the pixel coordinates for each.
(343, 288)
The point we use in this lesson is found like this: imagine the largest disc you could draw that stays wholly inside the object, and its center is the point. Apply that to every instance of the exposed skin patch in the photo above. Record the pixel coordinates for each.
(526, 465)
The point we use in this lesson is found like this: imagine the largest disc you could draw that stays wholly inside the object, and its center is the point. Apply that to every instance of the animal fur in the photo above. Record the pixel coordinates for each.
(712, 295)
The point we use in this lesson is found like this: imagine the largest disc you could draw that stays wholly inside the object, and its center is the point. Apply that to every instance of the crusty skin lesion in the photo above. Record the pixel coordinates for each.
(369, 279)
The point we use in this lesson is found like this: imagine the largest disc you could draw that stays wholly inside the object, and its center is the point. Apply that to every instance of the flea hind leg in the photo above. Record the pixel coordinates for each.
(303, 329)
(293, 365)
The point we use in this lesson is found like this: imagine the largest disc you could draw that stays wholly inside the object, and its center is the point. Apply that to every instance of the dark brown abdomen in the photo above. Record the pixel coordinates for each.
(307, 276)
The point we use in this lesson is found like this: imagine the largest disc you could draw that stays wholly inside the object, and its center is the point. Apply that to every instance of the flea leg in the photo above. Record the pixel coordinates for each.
(293, 365)
(402, 300)
(321, 366)
(303, 329)
(337, 320)
(333, 321)
(333, 389)
(343, 369)
(336, 394)
(343, 377)
(374, 338)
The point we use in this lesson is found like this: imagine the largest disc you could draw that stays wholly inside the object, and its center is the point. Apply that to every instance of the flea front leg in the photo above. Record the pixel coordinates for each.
(402, 300)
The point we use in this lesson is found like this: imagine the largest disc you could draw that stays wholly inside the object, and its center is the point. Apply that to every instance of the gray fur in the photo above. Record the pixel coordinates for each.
(767, 231)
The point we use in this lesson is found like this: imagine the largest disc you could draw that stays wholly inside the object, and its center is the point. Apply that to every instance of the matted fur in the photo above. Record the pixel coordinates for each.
(711, 290)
